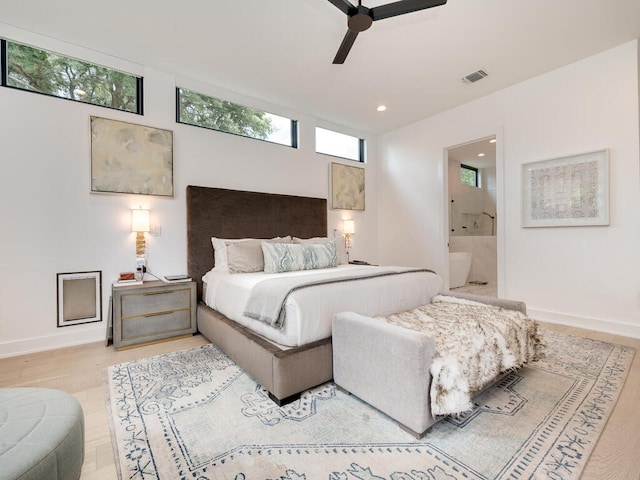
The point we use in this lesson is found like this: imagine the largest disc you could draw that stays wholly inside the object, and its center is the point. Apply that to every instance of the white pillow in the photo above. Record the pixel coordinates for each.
(289, 257)
(339, 241)
(220, 253)
(220, 257)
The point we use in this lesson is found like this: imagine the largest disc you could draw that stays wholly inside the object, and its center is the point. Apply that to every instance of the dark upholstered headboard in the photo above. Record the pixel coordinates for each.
(222, 213)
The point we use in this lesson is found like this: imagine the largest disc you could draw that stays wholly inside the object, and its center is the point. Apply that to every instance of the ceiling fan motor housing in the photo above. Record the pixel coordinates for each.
(360, 21)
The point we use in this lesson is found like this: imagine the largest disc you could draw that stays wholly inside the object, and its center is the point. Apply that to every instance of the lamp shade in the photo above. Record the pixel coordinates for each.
(140, 220)
(348, 227)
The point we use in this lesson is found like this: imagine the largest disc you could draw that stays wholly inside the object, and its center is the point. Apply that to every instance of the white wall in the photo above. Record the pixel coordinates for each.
(585, 276)
(51, 223)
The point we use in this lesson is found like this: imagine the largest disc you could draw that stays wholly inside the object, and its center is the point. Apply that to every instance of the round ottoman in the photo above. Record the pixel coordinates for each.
(41, 435)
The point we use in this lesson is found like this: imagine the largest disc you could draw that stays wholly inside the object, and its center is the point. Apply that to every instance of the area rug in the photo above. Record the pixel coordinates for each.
(194, 414)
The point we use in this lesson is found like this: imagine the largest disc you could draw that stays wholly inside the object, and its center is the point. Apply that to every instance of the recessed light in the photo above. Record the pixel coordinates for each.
(381, 108)
(481, 154)
(493, 140)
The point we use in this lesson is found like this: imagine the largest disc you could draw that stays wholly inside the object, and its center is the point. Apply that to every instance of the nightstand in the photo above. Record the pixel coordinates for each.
(153, 311)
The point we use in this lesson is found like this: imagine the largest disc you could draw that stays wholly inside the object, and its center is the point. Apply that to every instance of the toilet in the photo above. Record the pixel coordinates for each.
(459, 267)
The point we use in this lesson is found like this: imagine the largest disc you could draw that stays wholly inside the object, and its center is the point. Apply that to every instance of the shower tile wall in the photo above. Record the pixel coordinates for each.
(467, 204)
(484, 252)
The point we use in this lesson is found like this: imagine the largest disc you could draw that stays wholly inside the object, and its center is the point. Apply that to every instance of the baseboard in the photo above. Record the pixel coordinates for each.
(597, 324)
(51, 342)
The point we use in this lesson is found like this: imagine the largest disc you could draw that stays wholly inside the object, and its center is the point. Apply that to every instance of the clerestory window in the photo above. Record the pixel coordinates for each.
(41, 71)
(201, 110)
(340, 145)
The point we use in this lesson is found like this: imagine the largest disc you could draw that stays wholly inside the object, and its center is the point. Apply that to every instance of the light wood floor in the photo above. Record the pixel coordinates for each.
(78, 371)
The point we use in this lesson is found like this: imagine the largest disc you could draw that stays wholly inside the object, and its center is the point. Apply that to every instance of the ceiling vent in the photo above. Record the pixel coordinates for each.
(475, 76)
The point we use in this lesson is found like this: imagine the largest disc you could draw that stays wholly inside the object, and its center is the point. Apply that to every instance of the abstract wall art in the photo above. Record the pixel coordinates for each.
(130, 158)
(347, 187)
(566, 191)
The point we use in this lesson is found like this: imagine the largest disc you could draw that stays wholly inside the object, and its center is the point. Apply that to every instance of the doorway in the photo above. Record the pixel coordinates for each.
(472, 193)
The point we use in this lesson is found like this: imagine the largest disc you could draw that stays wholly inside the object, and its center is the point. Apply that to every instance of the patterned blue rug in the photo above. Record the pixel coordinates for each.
(195, 415)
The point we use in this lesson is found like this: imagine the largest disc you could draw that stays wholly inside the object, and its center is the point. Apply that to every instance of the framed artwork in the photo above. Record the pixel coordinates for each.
(567, 191)
(130, 158)
(347, 187)
(79, 298)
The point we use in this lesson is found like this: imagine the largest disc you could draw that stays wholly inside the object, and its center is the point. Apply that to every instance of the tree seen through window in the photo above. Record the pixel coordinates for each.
(41, 71)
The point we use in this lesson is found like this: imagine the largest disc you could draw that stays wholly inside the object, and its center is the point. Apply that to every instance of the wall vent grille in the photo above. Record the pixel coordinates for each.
(475, 76)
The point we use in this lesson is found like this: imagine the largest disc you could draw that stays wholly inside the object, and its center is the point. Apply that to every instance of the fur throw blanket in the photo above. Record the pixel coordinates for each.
(474, 344)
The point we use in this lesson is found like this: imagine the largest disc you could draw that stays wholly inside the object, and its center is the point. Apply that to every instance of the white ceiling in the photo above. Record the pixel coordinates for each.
(280, 51)
(479, 154)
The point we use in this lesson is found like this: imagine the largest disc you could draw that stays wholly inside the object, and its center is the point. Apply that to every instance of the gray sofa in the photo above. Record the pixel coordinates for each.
(388, 366)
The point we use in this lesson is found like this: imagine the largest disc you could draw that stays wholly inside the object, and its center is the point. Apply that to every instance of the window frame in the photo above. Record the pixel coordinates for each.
(476, 173)
(4, 77)
(293, 122)
(361, 146)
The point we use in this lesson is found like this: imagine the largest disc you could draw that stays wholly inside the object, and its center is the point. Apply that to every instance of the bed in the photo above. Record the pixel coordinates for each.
(284, 366)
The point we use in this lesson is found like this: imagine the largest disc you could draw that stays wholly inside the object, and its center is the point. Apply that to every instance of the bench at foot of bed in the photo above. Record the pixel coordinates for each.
(388, 366)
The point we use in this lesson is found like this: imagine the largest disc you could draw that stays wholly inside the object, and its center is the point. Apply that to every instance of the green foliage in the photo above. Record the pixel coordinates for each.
(468, 177)
(210, 112)
(46, 72)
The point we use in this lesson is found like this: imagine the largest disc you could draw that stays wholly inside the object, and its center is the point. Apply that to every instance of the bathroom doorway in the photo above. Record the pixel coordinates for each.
(473, 219)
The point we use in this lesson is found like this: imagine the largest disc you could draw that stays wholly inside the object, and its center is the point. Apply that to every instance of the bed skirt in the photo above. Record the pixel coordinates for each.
(284, 372)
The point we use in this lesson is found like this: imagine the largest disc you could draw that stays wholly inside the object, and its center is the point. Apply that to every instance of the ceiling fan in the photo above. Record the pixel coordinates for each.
(361, 18)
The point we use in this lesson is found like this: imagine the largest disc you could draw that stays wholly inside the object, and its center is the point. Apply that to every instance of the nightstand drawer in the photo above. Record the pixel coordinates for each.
(153, 311)
(155, 301)
(155, 324)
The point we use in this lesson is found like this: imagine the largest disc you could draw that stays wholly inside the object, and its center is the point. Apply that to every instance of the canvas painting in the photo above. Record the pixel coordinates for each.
(130, 158)
(347, 187)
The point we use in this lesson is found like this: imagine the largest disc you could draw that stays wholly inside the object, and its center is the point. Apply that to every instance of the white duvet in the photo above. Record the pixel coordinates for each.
(309, 311)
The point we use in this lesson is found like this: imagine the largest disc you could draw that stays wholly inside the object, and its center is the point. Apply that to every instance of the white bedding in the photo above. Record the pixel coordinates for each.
(309, 311)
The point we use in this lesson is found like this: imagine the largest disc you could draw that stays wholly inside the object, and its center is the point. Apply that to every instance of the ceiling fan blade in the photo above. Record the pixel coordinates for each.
(344, 5)
(402, 7)
(345, 47)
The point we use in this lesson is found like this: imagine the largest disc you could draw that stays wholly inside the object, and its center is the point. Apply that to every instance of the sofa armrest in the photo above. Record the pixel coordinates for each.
(386, 366)
(498, 302)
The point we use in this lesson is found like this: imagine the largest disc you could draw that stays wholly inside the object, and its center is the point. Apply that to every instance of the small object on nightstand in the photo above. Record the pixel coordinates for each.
(176, 278)
(359, 262)
(126, 283)
(127, 276)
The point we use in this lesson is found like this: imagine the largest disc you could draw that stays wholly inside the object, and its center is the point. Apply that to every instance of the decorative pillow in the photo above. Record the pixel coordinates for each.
(247, 256)
(341, 251)
(288, 257)
(221, 263)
